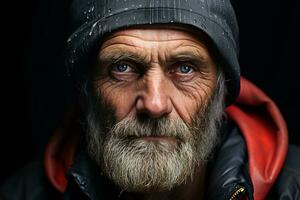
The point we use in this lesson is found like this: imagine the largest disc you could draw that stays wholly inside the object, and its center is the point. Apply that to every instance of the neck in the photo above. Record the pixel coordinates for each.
(191, 190)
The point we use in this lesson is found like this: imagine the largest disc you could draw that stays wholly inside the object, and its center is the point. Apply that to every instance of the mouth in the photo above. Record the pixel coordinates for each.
(159, 139)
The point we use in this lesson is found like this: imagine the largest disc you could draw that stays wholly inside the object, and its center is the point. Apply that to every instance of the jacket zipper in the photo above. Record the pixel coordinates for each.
(239, 192)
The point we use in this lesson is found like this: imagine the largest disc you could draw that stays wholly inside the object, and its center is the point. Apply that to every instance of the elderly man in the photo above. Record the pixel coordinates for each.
(162, 112)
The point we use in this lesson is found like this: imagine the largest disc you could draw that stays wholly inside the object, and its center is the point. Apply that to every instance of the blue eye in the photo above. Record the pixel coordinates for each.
(185, 69)
(121, 67)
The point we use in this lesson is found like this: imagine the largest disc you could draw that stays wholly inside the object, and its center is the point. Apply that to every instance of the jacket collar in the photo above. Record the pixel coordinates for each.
(228, 175)
(265, 133)
(88, 178)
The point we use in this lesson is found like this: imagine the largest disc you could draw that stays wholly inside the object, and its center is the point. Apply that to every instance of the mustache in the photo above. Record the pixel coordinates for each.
(133, 127)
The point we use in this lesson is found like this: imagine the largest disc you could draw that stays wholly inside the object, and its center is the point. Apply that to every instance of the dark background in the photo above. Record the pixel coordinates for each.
(35, 90)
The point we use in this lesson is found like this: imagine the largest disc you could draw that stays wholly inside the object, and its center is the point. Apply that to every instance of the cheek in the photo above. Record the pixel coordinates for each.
(121, 98)
(192, 98)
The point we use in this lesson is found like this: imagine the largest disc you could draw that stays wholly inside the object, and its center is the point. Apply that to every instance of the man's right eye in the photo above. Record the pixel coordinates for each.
(123, 71)
(121, 67)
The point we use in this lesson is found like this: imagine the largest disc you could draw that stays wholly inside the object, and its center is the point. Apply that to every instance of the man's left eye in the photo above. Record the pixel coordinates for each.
(185, 69)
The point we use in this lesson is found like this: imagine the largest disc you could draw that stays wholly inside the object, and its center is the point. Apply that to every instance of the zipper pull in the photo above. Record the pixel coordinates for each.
(238, 193)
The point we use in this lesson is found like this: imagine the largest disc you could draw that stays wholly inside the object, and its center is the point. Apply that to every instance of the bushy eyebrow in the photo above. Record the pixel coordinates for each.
(179, 54)
(118, 55)
(189, 56)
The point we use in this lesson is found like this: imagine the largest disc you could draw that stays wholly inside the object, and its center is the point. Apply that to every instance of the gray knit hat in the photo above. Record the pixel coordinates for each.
(91, 19)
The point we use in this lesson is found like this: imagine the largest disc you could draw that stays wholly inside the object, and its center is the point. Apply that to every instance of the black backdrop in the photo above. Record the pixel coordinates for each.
(35, 90)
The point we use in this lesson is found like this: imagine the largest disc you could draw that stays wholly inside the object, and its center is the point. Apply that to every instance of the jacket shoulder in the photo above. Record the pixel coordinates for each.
(28, 183)
(287, 185)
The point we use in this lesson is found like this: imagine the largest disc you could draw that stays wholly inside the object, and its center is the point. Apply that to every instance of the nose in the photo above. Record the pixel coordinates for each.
(154, 99)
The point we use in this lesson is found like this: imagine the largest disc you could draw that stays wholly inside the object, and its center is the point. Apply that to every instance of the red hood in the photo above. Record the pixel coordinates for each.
(265, 133)
(255, 114)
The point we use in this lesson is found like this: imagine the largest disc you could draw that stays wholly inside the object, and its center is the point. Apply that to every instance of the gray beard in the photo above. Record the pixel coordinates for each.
(138, 165)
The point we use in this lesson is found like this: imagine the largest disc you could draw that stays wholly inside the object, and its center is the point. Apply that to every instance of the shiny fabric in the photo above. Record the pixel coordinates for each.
(265, 133)
(229, 168)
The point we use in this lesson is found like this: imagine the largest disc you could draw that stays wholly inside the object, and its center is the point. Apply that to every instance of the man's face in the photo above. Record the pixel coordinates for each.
(161, 72)
(154, 119)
